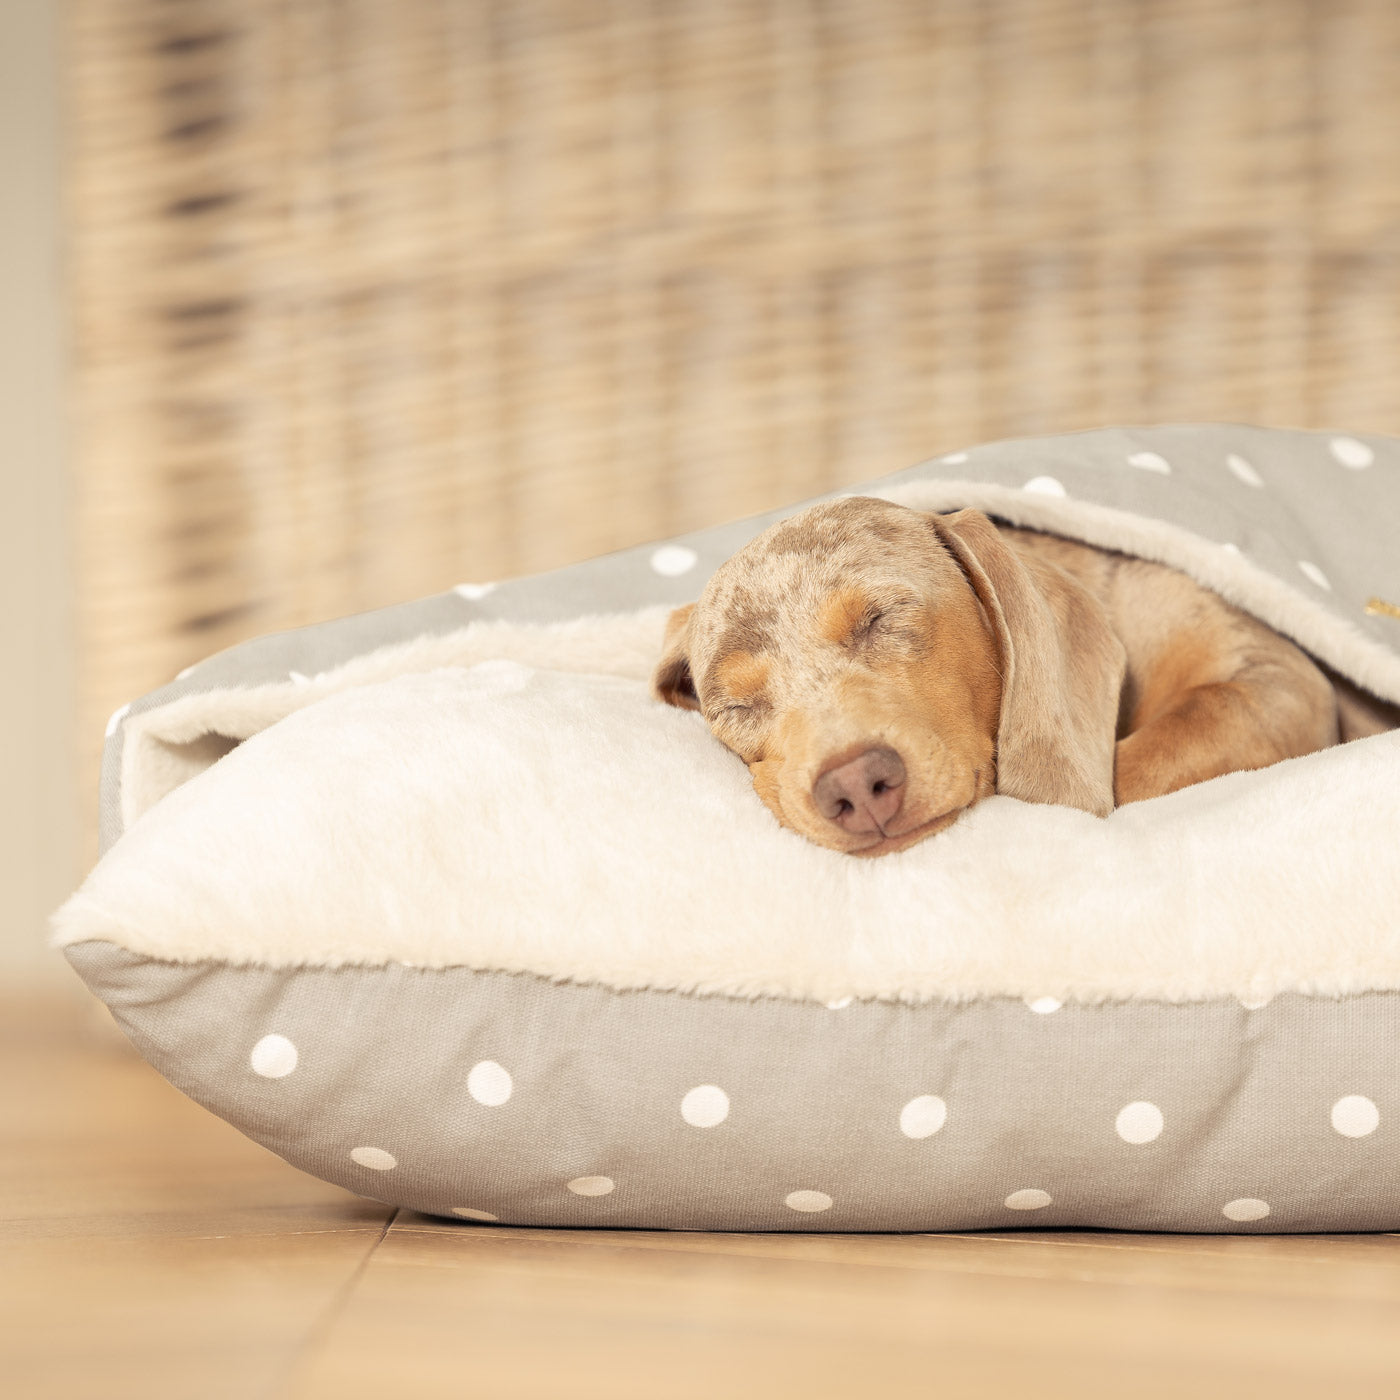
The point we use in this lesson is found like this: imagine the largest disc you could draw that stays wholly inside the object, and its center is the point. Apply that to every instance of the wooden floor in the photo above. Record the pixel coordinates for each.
(147, 1250)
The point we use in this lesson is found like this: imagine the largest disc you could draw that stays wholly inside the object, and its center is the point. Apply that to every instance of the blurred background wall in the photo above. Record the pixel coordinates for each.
(40, 801)
(369, 298)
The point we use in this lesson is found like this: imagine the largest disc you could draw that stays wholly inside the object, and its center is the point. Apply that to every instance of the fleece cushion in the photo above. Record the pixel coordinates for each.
(439, 905)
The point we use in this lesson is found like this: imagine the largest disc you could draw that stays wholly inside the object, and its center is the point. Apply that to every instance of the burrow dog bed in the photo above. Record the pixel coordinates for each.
(439, 905)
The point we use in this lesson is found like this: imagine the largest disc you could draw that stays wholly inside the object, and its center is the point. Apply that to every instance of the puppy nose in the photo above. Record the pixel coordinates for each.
(864, 794)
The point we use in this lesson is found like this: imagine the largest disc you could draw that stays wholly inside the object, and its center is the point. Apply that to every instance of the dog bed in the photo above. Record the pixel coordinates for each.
(439, 905)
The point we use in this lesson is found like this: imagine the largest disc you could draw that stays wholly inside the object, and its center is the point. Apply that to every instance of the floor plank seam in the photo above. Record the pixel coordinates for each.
(320, 1330)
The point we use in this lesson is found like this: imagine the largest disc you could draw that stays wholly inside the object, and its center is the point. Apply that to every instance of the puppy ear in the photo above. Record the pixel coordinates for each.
(1062, 669)
(672, 681)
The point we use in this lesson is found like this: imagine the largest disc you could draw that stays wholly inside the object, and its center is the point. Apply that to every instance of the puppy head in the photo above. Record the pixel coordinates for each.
(880, 669)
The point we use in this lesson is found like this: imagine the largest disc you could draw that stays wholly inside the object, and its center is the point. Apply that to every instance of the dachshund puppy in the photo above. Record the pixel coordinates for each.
(881, 669)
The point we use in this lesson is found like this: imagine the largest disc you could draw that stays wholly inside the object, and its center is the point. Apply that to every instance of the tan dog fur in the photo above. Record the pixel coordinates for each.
(989, 659)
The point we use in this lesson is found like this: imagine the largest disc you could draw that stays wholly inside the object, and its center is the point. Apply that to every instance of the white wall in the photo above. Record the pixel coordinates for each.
(38, 805)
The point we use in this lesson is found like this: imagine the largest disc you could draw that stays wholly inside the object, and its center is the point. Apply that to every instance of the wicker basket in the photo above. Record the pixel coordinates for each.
(372, 298)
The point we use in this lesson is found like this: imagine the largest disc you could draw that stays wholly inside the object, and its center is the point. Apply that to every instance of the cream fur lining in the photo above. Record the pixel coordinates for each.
(570, 826)
(524, 820)
(165, 747)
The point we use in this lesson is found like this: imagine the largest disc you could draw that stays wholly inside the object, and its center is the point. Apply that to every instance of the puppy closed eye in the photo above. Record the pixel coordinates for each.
(881, 622)
(866, 626)
(740, 727)
(740, 710)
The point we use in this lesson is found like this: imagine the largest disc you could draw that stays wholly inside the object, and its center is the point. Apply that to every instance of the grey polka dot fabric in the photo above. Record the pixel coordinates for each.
(492, 1096)
(484, 1096)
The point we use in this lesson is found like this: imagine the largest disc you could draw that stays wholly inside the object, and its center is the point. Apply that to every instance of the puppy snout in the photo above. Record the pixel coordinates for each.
(864, 794)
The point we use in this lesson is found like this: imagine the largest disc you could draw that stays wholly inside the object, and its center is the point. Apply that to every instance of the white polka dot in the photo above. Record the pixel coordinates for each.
(1151, 462)
(273, 1056)
(1243, 469)
(116, 719)
(954, 459)
(297, 678)
(1044, 1006)
(489, 1084)
(375, 1157)
(472, 591)
(673, 560)
(1245, 1208)
(705, 1105)
(1255, 1003)
(591, 1185)
(1028, 1199)
(1351, 453)
(1139, 1122)
(1045, 486)
(840, 1004)
(922, 1117)
(1312, 572)
(1355, 1116)
(471, 1213)
(807, 1200)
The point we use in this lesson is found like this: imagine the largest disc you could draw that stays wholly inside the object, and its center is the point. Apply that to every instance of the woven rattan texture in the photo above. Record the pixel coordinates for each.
(373, 298)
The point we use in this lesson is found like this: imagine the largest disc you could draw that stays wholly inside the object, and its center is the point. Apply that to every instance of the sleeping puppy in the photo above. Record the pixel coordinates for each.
(881, 669)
